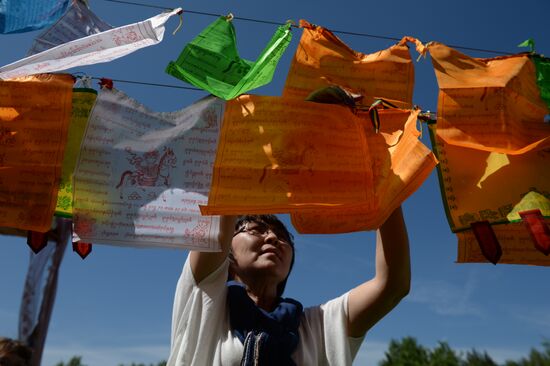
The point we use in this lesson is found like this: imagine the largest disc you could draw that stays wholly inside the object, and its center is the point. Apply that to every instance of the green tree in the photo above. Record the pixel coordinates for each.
(406, 352)
(536, 358)
(475, 358)
(75, 361)
(444, 355)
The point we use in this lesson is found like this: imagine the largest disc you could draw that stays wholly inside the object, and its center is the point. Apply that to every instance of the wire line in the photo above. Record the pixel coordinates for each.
(279, 23)
(150, 84)
(139, 4)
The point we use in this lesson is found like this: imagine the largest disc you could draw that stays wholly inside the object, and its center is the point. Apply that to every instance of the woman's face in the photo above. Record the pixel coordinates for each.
(258, 251)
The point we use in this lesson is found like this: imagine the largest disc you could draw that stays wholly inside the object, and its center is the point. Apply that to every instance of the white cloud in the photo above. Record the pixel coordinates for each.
(103, 355)
(536, 316)
(446, 298)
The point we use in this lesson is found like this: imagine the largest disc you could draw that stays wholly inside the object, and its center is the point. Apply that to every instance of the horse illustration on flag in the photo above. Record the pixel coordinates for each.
(151, 169)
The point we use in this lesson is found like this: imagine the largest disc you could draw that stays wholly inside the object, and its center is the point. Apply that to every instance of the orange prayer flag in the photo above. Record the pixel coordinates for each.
(517, 246)
(489, 104)
(479, 185)
(322, 59)
(492, 143)
(34, 119)
(399, 164)
(276, 155)
(279, 155)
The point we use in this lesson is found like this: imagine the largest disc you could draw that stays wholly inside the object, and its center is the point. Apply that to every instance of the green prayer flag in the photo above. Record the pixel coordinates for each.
(211, 61)
(528, 43)
(542, 64)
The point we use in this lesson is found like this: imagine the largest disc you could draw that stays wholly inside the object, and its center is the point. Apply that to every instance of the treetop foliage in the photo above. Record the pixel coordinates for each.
(408, 352)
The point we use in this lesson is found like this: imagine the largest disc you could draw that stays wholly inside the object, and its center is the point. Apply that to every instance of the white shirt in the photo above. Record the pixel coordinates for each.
(201, 334)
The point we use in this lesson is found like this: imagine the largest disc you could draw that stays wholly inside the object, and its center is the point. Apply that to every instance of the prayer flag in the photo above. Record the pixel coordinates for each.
(478, 185)
(83, 101)
(96, 48)
(211, 61)
(141, 175)
(41, 288)
(399, 163)
(492, 144)
(18, 16)
(489, 104)
(77, 22)
(279, 155)
(34, 118)
(542, 65)
(322, 60)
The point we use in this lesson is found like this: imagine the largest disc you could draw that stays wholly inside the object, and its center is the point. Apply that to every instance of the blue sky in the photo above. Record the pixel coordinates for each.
(115, 306)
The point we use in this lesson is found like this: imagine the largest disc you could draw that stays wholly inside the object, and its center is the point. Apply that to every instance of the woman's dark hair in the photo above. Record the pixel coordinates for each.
(279, 229)
(14, 353)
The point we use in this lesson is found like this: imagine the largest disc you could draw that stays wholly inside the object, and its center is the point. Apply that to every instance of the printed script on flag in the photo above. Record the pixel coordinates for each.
(83, 101)
(279, 155)
(34, 119)
(96, 48)
(322, 59)
(141, 174)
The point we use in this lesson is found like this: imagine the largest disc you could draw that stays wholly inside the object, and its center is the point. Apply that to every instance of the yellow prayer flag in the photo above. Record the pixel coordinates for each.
(83, 101)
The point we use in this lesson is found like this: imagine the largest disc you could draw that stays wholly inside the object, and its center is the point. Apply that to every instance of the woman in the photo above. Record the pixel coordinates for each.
(246, 322)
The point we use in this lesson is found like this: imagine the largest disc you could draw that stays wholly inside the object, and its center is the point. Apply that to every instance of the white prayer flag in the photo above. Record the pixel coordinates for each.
(41, 288)
(96, 48)
(141, 175)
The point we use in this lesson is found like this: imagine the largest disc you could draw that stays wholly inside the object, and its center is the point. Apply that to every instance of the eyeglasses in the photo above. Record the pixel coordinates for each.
(261, 230)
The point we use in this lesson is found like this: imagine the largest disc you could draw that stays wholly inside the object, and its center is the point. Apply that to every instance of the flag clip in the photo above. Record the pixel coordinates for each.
(106, 83)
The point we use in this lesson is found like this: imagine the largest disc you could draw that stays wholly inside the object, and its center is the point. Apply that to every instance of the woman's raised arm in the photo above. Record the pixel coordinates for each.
(372, 300)
(204, 263)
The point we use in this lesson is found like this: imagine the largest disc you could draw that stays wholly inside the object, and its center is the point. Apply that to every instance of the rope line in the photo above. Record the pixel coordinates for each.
(150, 84)
(279, 23)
